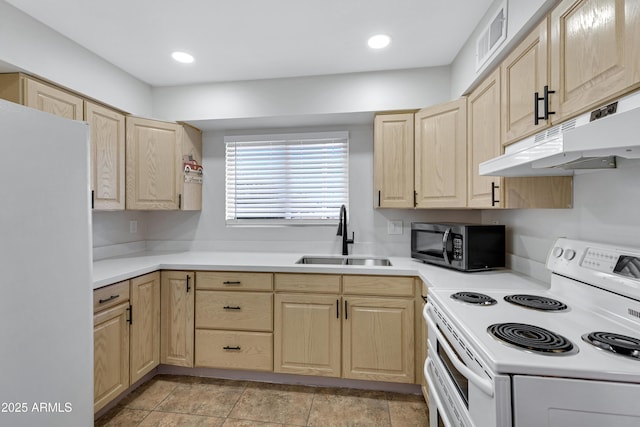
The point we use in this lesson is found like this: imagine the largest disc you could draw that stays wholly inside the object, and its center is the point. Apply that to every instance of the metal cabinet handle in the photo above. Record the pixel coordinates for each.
(545, 99)
(494, 201)
(337, 309)
(188, 287)
(547, 113)
(231, 307)
(379, 197)
(231, 282)
(346, 311)
(234, 348)
(130, 319)
(111, 298)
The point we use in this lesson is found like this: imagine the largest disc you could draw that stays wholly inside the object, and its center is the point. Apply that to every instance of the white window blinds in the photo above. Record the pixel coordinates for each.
(286, 179)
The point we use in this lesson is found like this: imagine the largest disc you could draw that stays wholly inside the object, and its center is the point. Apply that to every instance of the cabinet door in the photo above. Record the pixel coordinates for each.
(307, 334)
(393, 160)
(524, 72)
(378, 339)
(107, 156)
(594, 53)
(52, 100)
(145, 325)
(154, 164)
(178, 296)
(441, 156)
(483, 129)
(110, 354)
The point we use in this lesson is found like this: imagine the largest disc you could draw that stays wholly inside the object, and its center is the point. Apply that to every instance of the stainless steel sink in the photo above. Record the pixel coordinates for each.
(382, 262)
(365, 261)
(320, 260)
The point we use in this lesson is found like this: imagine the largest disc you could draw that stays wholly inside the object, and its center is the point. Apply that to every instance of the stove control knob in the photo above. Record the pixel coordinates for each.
(569, 254)
(557, 252)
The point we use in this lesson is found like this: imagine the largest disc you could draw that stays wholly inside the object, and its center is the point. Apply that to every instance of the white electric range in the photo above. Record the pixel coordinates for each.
(523, 359)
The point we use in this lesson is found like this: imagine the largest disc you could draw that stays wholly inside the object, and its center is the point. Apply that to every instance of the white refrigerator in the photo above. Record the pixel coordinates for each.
(46, 315)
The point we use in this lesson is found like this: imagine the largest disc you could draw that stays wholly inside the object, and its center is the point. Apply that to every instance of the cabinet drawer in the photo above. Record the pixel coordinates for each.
(234, 350)
(317, 283)
(110, 296)
(378, 285)
(249, 311)
(234, 280)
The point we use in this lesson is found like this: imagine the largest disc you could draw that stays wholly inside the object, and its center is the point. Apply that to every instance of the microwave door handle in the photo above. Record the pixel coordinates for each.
(433, 395)
(445, 240)
(482, 383)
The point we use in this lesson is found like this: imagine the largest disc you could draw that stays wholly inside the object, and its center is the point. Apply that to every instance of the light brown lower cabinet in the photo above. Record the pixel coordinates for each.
(234, 320)
(145, 325)
(126, 335)
(177, 319)
(110, 354)
(307, 334)
(365, 333)
(235, 349)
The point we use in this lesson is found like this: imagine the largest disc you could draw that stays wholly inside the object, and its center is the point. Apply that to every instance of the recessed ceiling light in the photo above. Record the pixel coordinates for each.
(379, 41)
(183, 57)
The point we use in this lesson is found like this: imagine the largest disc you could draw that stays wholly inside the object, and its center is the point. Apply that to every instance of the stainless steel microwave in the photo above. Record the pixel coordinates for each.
(466, 247)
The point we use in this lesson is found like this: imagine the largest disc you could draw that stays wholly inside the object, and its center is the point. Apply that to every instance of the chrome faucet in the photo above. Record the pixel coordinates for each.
(342, 231)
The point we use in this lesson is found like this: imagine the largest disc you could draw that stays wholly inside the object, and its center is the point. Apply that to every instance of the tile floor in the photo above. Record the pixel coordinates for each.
(190, 401)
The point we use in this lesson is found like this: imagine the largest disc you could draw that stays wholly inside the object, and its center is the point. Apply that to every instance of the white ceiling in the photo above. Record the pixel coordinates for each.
(259, 39)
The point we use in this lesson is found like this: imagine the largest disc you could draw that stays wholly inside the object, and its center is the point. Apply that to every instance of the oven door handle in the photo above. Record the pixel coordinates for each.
(483, 384)
(434, 395)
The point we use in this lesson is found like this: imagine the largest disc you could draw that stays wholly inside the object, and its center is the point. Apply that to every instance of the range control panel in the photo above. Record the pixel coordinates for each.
(599, 260)
(606, 266)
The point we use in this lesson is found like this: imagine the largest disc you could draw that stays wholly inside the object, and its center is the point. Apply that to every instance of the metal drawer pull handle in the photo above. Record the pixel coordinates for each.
(111, 298)
(231, 282)
(226, 347)
(231, 307)
(483, 384)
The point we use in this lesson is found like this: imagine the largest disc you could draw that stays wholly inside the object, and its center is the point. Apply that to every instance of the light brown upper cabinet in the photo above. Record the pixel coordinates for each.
(30, 92)
(483, 129)
(524, 75)
(594, 54)
(164, 169)
(483, 113)
(107, 156)
(441, 155)
(393, 160)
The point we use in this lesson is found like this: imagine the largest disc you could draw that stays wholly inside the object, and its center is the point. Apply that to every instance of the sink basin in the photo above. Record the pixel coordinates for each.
(320, 260)
(368, 261)
(335, 260)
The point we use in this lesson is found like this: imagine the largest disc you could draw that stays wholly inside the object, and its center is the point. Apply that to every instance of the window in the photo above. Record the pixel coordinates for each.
(286, 179)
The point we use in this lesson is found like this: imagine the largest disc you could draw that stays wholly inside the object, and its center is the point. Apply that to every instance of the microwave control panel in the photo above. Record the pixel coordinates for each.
(457, 247)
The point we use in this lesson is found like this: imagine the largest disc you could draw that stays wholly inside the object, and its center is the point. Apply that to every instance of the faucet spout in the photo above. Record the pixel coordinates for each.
(342, 231)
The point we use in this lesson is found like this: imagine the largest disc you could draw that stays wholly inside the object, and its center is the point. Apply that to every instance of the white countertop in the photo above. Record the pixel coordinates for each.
(112, 270)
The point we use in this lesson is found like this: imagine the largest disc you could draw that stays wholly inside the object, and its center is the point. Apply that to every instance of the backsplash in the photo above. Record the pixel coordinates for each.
(606, 206)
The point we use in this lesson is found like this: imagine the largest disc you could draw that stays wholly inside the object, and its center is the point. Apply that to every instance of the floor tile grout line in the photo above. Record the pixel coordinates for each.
(244, 389)
(313, 398)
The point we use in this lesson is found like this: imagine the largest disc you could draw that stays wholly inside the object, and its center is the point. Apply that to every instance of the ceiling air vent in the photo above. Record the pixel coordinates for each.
(491, 36)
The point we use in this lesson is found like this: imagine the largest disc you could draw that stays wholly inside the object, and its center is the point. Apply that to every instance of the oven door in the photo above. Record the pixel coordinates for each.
(469, 394)
(445, 409)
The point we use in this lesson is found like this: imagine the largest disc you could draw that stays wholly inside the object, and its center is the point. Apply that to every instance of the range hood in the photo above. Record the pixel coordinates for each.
(591, 141)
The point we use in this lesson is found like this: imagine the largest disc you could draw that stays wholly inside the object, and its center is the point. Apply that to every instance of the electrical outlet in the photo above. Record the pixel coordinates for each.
(133, 227)
(394, 227)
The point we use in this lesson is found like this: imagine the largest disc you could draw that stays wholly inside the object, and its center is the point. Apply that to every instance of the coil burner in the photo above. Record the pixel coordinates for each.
(615, 343)
(532, 338)
(474, 298)
(536, 302)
